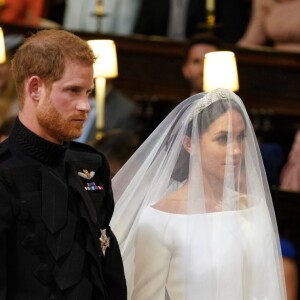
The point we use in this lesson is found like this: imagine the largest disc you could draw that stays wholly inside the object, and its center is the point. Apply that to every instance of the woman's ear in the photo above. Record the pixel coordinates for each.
(34, 87)
(186, 142)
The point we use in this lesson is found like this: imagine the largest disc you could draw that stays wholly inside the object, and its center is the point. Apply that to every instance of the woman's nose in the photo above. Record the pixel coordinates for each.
(237, 148)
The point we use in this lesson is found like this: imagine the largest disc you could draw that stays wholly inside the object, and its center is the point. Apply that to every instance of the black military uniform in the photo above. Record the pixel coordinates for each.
(55, 207)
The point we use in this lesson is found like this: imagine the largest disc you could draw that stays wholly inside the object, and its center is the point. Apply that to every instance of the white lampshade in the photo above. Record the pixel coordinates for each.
(220, 71)
(106, 64)
(2, 48)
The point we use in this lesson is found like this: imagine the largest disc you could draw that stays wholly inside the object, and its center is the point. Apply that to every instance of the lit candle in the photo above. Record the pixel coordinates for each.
(210, 5)
(2, 48)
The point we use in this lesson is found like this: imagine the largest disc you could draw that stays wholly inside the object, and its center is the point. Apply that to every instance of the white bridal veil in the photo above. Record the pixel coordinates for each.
(194, 216)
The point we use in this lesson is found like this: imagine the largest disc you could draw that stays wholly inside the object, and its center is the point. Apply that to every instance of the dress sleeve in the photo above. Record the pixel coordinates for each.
(5, 222)
(35, 11)
(152, 259)
(37, 7)
(290, 173)
(255, 33)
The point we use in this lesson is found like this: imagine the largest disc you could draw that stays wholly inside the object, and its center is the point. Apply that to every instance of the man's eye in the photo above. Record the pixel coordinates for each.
(74, 90)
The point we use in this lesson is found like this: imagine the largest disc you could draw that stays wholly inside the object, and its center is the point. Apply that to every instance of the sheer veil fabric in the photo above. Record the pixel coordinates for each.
(193, 215)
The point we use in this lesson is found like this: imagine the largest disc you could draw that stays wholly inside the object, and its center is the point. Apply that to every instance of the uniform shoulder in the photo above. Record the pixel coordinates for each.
(81, 147)
(84, 155)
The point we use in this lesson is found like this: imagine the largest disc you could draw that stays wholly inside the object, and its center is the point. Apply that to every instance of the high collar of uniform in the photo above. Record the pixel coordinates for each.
(35, 146)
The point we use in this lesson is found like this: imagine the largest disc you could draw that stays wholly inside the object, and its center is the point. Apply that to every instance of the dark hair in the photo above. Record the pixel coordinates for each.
(212, 113)
(200, 39)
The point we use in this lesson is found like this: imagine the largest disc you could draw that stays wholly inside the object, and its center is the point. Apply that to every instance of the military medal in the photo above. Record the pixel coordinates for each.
(86, 174)
(91, 185)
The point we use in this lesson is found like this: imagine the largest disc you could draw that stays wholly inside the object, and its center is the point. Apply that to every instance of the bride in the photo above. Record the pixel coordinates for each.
(194, 216)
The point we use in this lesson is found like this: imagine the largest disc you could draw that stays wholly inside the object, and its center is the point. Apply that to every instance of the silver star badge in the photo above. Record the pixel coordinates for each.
(104, 241)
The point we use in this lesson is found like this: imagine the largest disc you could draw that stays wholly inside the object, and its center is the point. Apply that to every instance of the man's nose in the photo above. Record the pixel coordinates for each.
(84, 105)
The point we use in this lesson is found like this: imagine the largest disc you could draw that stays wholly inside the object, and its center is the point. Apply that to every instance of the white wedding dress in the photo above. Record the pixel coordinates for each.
(194, 216)
(223, 261)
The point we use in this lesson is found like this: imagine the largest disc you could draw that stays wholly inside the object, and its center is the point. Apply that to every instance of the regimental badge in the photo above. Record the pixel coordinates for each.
(86, 174)
(104, 241)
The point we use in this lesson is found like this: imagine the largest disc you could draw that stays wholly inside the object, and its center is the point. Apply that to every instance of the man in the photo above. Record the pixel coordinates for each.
(171, 18)
(55, 195)
(193, 59)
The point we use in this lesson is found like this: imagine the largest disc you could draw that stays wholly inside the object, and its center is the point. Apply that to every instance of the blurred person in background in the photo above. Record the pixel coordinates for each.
(8, 94)
(193, 59)
(118, 145)
(274, 23)
(23, 12)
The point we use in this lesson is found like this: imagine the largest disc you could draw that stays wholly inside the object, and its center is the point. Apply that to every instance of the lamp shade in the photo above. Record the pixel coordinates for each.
(2, 48)
(220, 71)
(106, 64)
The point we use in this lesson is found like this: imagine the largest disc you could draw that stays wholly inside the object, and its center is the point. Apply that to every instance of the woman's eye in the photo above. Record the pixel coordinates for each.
(222, 139)
(241, 136)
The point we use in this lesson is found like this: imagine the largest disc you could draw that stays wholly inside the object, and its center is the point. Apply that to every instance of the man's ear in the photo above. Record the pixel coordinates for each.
(34, 87)
(186, 142)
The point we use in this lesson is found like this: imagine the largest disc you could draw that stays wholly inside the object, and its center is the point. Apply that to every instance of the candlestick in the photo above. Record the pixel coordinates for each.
(210, 5)
(210, 26)
(99, 8)
(210, 12)
(99, 14)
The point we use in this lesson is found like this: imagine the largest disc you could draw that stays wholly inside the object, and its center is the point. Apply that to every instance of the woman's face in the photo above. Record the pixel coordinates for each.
(222, 145)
